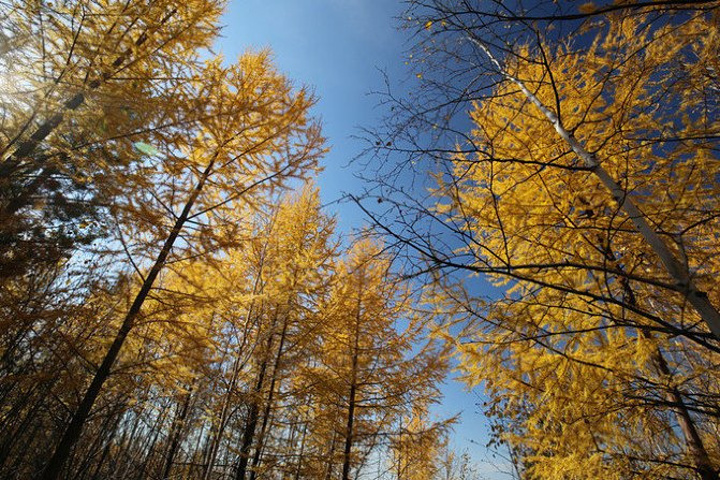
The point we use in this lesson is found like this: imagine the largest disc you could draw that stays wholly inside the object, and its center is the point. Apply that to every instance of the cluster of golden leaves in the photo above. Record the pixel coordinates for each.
(570, 356)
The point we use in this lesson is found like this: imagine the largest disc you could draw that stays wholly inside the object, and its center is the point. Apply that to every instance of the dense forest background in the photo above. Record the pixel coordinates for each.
(176, 302)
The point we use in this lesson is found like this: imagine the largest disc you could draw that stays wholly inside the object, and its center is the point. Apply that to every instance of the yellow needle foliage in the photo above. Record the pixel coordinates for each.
(166, 311)
(372, 370)
(593, 362)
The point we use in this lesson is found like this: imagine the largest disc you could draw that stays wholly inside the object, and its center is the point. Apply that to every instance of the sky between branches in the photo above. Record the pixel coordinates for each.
(341, 48)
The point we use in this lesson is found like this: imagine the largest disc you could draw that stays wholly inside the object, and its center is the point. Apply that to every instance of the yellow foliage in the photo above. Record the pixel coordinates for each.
(572, 356)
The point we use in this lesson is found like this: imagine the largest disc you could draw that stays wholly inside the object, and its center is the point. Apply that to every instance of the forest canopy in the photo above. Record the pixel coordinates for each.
(569, 154)
(176, 301)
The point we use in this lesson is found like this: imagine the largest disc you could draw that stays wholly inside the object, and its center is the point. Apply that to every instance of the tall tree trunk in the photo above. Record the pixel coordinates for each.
(108, 445)
(199, 456)
(349, 433)
(331, 455)
(249, 432)
(108, 426)
(34, 432)
(216, 439)
(298, 467)
(175, 434)
(13, 431)
(254, 413)
(125, 446)
(72, 433)
(269, 402)
(158, 428)
(693, 441)
(351, 399)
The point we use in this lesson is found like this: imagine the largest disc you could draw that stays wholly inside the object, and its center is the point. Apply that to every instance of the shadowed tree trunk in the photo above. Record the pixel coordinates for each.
(72, 433)
(253, 415)
(268, 404)
(176, 434)
(351, 399)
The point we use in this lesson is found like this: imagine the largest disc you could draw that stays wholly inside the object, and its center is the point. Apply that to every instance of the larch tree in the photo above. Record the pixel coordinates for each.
(86, 87)
(166, 309)
(416, 449)
(298, 258)
(256, 137)
(368, 376)
(84, 81)
(577, 181)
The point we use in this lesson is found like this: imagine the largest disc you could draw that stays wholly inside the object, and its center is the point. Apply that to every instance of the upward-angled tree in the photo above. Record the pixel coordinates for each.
(257, 136)
(416, 449)
(88, 89)
(298, 258)
(368, 378)
(540, 69)
(578, 184)
(165, 311)
(83, 82)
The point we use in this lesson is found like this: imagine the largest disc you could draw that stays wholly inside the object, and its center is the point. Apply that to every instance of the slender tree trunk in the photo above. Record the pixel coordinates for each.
(331, 455)
(101, 461)
(126, 457)
(249, 433)
(115, 458)
(351, 399)
(175, 435)
(27, 445)
(253, 416)
(349, 433)
(298, 468)
(106, 450)
(269, 401)
(151, 445)
(107, 426)
(18, 431)
(693, 441)
(74, 429)
(199, 463)
(216, 439)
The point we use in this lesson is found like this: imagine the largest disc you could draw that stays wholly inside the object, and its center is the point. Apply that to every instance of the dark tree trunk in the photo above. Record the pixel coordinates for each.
(269, 402)
(72, 433)
(175, 435)
(253, 416)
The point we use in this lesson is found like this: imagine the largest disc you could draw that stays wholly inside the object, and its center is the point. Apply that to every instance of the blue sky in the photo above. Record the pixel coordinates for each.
(339, 48)
(336, 47)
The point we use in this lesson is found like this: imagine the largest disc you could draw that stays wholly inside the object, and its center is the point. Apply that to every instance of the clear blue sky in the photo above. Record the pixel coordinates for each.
(339, 47)
(336, 47)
